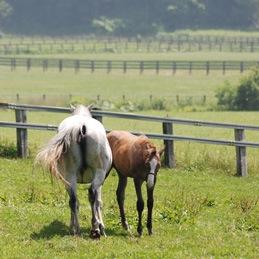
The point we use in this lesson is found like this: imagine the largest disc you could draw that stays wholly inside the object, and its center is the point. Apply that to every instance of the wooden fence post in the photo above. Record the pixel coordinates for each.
(190, 68)
(92, 66)
(169, 146)
(28, 64)
(241, 67)
(124, 67)
(224, 67)
(21, 134)
(97, 117)
(241, 162)
(77, 66)
(141, 67)
(174, 67)
(109, 66)
(207, 68)
(157, 67)
(60, 64)
(13, 64)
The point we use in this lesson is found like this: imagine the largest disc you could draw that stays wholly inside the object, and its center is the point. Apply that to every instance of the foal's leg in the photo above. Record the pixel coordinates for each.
(150, 202)
(120, 193)
(74, 205)
(140, 203)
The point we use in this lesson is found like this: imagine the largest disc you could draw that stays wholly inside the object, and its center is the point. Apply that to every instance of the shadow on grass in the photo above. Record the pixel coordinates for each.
(57, 228)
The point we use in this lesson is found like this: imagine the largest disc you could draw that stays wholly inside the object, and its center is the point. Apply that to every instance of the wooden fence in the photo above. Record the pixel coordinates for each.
(161, 44)
(124, 66)
(168, 137)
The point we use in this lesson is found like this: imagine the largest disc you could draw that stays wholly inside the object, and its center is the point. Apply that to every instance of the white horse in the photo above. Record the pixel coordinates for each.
(80, 153)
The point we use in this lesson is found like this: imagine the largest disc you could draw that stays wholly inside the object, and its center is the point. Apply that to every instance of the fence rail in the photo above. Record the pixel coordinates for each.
(161, 44)
(168, 137)
(124, 65)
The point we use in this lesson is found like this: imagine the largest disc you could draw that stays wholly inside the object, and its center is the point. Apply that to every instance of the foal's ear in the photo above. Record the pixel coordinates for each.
(161, 151)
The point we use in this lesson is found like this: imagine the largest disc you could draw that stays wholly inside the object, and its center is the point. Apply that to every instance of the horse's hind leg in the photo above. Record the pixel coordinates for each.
(99, 212)
(94, 195)
(140, 203)
(74, 207)
(120, 193)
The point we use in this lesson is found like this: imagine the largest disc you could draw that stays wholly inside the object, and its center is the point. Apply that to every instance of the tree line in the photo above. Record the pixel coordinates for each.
(124, 17)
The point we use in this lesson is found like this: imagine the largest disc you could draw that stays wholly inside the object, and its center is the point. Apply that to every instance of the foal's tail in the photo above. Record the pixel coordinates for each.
(51, 156)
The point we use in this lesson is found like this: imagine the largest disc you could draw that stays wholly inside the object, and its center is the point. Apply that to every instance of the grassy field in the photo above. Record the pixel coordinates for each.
(190, 41)
(201, 209)
(86, 86)
(198, 213)
(190, 209)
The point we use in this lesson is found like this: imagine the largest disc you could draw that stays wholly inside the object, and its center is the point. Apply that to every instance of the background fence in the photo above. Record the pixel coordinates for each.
(168, 137)
(124, 66)
(162, 44)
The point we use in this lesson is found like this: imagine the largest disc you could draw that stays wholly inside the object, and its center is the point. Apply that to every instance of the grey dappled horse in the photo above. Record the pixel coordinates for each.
(80, 153)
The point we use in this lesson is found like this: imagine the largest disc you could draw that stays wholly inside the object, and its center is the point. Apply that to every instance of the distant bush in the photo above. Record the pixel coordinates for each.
(226, 97)
(243, 97)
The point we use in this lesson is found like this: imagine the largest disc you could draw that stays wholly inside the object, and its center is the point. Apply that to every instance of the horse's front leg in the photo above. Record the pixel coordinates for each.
(150, 202)
(120, 193)
(140, 203)
(74, 206)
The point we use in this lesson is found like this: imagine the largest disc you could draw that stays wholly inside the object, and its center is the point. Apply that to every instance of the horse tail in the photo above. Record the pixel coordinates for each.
(81, 140)
(51, 155)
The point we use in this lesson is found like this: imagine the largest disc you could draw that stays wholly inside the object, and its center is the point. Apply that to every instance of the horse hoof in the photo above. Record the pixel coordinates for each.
(95, 234)
(150, 232)
(75, 231)
(140, 233)
(102, 231)
(125, 226)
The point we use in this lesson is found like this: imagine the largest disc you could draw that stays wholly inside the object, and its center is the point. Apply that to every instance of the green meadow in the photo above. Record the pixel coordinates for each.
(202, 210)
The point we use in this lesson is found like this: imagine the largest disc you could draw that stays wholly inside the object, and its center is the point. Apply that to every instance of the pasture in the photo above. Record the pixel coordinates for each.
(86, 86)
(199, 212)
(201, 209)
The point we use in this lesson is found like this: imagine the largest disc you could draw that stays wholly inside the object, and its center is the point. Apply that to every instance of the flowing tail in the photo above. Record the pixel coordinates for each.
(51, 155)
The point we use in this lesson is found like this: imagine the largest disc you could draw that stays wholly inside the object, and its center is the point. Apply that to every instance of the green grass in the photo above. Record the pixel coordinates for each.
(218, 33)
(86, 85)
(196, 214)
(201, 210)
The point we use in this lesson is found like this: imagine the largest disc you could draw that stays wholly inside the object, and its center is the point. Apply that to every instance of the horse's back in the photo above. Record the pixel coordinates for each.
(126, 151)
(92, 151)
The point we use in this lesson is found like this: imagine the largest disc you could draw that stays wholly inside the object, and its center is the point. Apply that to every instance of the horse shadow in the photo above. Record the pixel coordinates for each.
(55, 228)
(58, 228)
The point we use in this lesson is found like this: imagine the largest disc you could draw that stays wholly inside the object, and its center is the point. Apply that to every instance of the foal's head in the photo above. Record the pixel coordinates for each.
(152, 159)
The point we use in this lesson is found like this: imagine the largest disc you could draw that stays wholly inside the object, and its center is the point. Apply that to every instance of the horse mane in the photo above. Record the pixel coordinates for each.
(82, 110)
(148, 148)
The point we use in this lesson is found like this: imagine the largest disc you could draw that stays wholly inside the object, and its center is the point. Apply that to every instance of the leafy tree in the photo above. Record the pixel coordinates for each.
(125, 17)
(5, 10)
(244, 97)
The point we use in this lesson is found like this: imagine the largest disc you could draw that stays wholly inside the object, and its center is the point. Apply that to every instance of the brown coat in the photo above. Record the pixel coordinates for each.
(131, 153)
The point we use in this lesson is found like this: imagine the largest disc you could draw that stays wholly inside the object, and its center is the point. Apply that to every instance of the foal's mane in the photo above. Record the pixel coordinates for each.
(148, 148)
